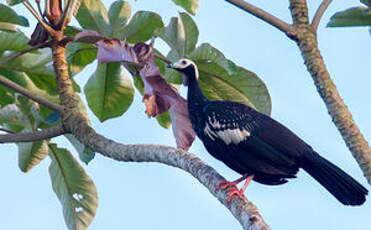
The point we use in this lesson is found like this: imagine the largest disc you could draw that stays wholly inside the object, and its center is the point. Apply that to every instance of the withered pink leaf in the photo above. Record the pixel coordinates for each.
(159, 96)
(88, 36)
(182, 127)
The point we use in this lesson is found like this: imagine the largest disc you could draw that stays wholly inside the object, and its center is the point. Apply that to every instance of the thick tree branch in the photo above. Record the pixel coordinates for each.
(8, 83)
(319, 13)
(73, 121)
(32, 136)
(306, 39)
(265, 16)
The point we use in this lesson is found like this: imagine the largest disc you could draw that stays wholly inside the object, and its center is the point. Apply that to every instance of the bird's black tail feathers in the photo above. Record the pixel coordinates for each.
(346, 189)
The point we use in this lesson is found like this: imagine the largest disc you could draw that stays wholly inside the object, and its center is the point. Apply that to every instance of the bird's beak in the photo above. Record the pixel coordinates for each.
(170, 65)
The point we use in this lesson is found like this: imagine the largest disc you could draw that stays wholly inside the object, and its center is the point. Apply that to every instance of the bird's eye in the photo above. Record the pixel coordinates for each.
(184, 62)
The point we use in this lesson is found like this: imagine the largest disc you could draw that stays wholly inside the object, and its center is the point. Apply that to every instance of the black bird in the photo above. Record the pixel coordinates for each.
(258, 147)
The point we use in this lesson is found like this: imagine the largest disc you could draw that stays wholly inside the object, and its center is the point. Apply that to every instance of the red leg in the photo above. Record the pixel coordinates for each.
(225, 184)
(233, 190)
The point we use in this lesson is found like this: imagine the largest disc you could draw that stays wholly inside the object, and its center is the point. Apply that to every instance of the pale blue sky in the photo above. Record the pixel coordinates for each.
(154, 196)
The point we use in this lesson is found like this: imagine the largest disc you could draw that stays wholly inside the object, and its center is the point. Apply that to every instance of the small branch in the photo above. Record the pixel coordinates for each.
(32, 136)
(48, 28)
(15, 55)
(319, 13)
(29, 94)
(265, 16)
(6, 130)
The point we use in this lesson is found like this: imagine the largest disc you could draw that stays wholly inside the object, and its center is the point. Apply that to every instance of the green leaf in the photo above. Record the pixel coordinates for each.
(92, 15)
(189, 5)
(244, 86)
(191, 32)
(207, 53)
(13, 41)
(6, 96)
(119, 13)
(142, 26)
(164, 120)
(172, 75)
(30, 154)
(109, 91)
(14, 2)
(358, 16)
(86, 154)
(80, 55)
(8, 15)
(24, 80)
(71, 31)
(74, 189)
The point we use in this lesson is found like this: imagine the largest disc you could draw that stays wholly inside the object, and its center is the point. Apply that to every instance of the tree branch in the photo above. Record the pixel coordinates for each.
(306, 39)
(32, 136)
(265, 16)
(6, 130)
(319, 13)
(8, 83)
(243, 210)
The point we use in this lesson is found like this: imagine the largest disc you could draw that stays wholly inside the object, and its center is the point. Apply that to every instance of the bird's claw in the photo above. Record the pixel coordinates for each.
(225, 184)
(234, 191)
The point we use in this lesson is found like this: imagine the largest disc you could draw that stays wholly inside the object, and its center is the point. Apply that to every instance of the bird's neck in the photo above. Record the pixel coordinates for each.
(195, 97)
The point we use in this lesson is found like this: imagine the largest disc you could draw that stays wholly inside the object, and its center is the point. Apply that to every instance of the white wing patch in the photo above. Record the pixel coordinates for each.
(233, 135)
(227, 135)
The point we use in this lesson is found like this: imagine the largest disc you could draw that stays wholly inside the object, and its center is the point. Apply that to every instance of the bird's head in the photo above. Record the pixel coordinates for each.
(188, 69)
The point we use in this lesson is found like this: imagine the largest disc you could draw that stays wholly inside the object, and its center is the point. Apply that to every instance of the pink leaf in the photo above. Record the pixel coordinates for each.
(88, 36)
(182, 127)
(158, 96)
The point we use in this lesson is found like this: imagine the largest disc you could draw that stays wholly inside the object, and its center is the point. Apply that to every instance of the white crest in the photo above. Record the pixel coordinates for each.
(184, 63)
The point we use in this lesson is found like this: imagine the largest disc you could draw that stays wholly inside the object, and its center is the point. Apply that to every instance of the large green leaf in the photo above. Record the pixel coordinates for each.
(109, 91)
(243, 86)
(79, 55)
(181, 34)
(74, 188)
(357, 16)
(13, 41)
(207, 53)
(119, 13)
(92, 15)
(8, 27)
(189, 5)
(31, 153)
(142, 26)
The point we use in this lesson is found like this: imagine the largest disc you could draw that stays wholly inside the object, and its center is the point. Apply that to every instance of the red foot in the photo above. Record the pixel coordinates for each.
(232, 186)
(234, 191)
(225, 184)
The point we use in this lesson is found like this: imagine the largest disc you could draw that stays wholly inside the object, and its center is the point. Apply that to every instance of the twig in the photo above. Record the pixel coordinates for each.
(6, 130)
(48, 28)
(319, 13)
(32, 136)
(29, 94)
(265, 16)
(15, 55)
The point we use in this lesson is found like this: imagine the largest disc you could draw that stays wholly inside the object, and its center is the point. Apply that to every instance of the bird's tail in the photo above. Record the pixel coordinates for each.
(342, 186)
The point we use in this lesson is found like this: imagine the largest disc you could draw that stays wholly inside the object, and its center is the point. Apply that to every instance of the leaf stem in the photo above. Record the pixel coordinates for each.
(48, 28)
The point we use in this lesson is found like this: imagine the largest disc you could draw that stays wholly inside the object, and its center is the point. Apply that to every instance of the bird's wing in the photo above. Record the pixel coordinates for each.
(254, 132)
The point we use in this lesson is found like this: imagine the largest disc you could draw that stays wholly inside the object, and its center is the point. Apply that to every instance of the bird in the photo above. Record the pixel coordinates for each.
(258, 147)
